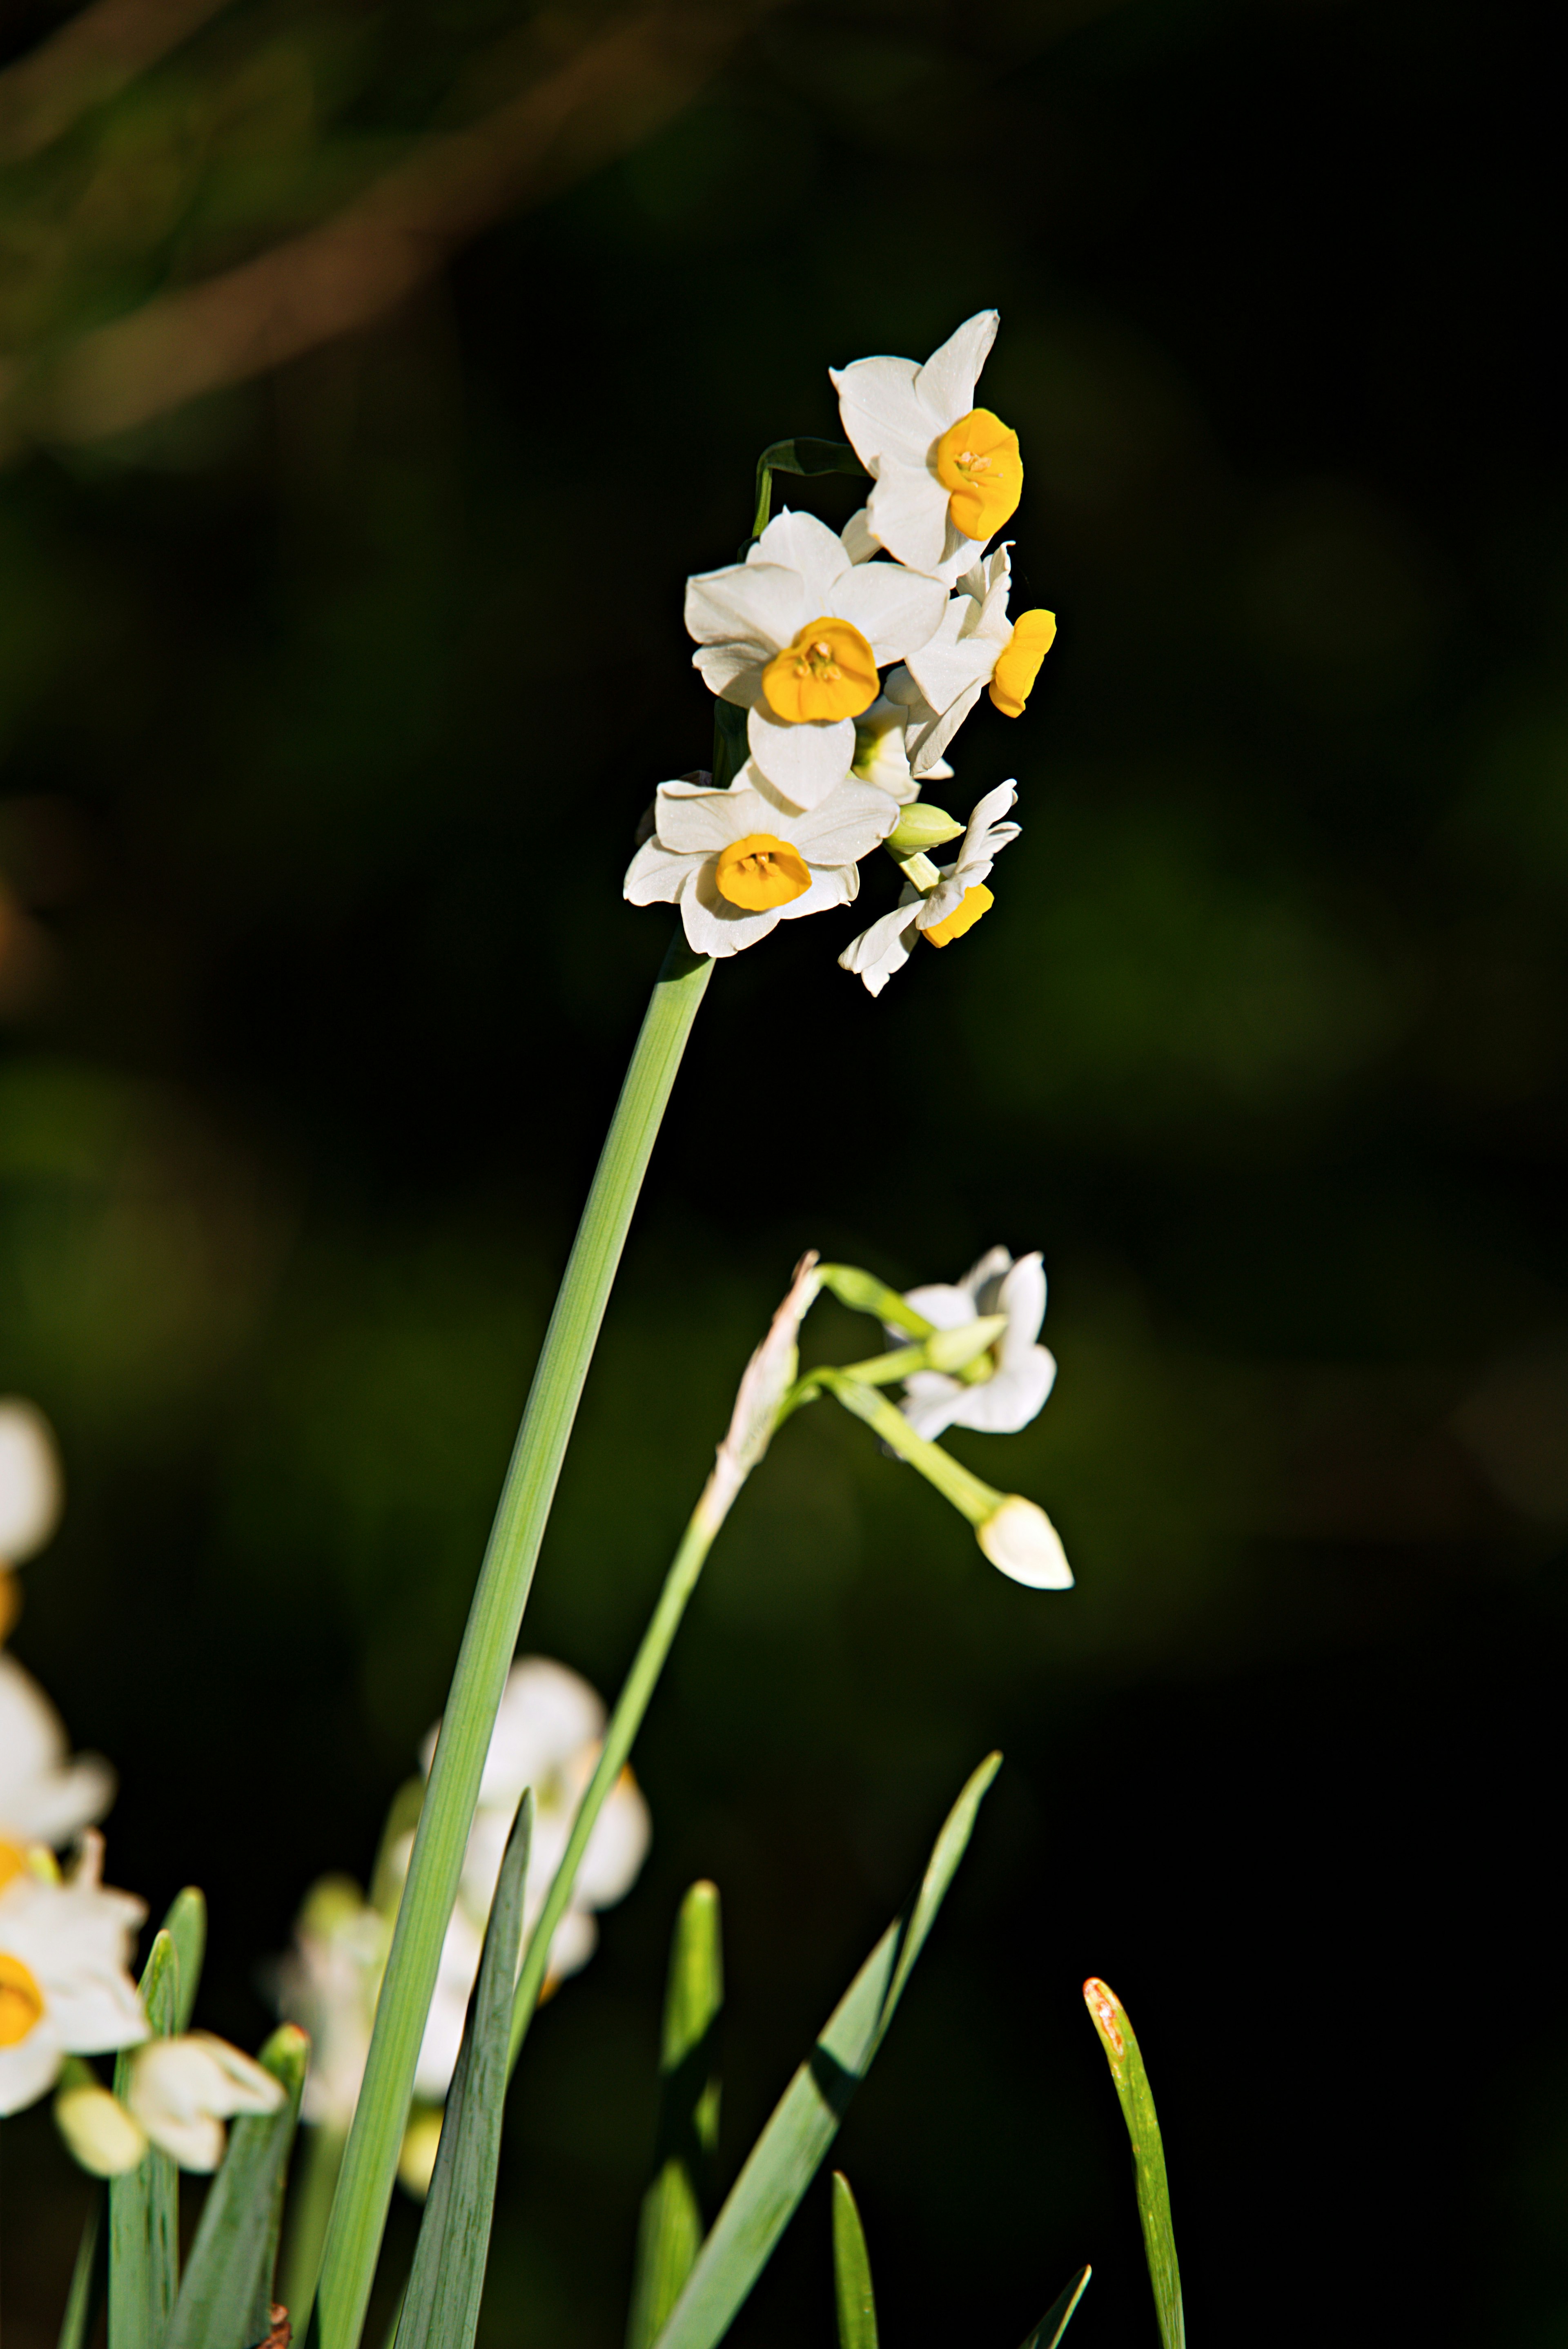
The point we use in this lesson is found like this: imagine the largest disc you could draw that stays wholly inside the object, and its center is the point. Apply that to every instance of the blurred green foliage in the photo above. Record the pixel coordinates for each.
(329, 702)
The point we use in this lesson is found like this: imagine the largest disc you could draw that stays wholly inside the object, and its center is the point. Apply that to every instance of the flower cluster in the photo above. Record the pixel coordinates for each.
(856, 657)
(66, 1937)
(547, 1738)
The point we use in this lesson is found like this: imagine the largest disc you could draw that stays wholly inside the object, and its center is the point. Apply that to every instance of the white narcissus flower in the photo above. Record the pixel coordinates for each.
(881, 742)
(947, 474)
(547, 1736)
(63, 1987)
(738, 862)
(45, 1797)
(943, 913)
(795, 636)
(328, 1985)
(183, 2089)
(32, 1491)
(977, 648)
(1019, 1372)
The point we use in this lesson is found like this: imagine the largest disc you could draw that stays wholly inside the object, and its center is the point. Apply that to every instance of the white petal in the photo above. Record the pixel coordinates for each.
(817, 556)
(860, 542)
(657, 875)
(1022, 1297)
(573, 1943)
(927, 745)
(1021, 1540)
(878, 953)
(1010, 1399)
(29, 2069)
(845, 827)
(548, 1714)
(694, 819)
(616, 1848)
(896, 609)
(805, 761)
(945, 384)
(714, 927)
(946, 1305)
(881, 410)
(733, 671)
(907, 509)
(32, 1491)
(760, 604)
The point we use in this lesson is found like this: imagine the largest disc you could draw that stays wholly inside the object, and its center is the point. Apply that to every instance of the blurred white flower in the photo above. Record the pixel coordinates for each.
(328, 1985)
(1016, 1373)
(944, 912)
(737, 862)
(32, 1490)
(947, 474)
(796, 634)
(63, 1987)
(547, 1736)
(183, 2089)
(44, 1796)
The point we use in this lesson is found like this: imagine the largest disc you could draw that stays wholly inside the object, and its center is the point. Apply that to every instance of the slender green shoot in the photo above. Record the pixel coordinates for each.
(670, 2234)
(852, 2295)
(1058, 2317)
(144, 2202)
(1119, 2042)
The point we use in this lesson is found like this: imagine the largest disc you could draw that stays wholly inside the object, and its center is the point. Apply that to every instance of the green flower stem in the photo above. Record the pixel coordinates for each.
(969, 1495)
(863, 1293)
(631, 1706)
(370, 2159)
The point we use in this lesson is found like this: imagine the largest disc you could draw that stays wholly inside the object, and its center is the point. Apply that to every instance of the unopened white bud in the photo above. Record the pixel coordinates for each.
(1020, 1539)
(100, 2135)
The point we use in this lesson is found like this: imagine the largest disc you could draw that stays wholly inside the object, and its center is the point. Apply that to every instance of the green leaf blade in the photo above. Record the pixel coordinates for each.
(441, 2305)
(186, 1925)
(144, 2203)
(669, 2236)
(88, 2277)
(225, 2299)
(853, 2295)
(805, 2121)
(1119, 2040)
(1048, 2332)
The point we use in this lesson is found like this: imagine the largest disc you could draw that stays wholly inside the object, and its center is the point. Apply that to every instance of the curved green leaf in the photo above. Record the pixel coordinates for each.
(670, 2233)
(852, 2293)
(1119, 2040)
(144, 2203)
(1057, 2318)
(805, 2121)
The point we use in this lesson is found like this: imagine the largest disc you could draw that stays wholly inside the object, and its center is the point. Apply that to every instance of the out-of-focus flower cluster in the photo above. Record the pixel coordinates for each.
(856, 657)
(547, 1738)
(67, 1938)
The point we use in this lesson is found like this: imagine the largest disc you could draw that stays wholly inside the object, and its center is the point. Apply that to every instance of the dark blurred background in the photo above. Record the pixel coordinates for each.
(375, 375)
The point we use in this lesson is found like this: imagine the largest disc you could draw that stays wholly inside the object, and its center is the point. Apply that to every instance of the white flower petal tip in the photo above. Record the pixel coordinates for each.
(1021, 1541)
(31, 1489)
(101, 2136)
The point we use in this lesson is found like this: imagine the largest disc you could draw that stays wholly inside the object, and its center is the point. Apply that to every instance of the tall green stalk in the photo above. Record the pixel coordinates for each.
(370, 2159)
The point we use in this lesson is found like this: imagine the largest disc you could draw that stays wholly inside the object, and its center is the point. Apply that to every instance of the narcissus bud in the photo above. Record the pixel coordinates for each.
(921, 826)
(99, 2134)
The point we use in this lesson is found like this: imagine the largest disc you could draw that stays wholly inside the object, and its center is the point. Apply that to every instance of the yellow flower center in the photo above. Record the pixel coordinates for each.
(977, 459)
(21, 2000)
(964, 917)
(829, 672)
(1034, 634)
(759, 871)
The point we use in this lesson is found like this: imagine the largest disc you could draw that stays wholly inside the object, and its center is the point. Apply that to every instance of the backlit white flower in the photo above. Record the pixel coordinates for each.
(44, 1796)
(944, 912)
(328, 1985)
(63, 1987)
(1017, 1373)
(183, 2089)
(977, 646)
(795, 636)
(947, 474)
(32, 1491)
(739, 862)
